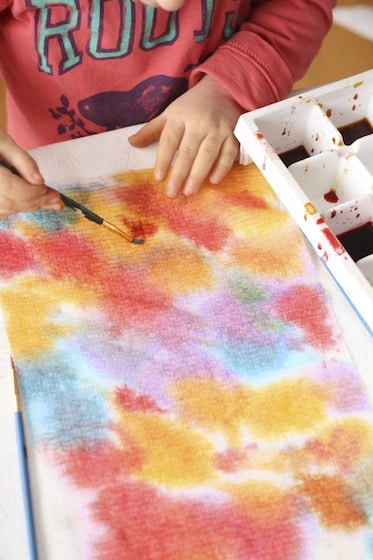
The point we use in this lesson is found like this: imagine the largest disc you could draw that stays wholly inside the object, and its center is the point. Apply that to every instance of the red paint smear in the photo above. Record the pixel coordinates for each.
(305, 307)
(16, 255)
(101, 463)
(245, 200)
(334, 242)
(128, 399)
(142, 522)
(128, 298)
(182, 215)
(67, 254)
(140, 228)
(231, 460)
(208, 233)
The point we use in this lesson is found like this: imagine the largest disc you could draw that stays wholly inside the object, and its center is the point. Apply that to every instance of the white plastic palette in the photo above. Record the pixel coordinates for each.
(316, 151)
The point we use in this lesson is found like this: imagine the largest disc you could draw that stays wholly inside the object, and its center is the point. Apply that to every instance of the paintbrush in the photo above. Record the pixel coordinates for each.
(85, 212)
(80, 209)
(23, 467)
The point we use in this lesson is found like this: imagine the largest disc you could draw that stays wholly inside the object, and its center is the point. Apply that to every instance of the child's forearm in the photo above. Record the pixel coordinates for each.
(273, 48)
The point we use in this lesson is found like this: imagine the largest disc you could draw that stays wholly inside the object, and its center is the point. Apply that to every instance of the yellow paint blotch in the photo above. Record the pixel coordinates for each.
(276, 248)
(30, 308)
(343, 442)
(174, 453)
(213, 405)
(292, 405)
(288, 406)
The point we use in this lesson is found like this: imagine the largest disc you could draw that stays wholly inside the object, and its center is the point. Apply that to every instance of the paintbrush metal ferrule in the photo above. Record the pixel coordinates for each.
(113, 228)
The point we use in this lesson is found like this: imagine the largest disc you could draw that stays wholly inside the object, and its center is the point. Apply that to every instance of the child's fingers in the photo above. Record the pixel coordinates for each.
(18, 195)
(194, 160)
(175, 141)
(225, 161)
(25, 165)
(148, 134)
(169, 137)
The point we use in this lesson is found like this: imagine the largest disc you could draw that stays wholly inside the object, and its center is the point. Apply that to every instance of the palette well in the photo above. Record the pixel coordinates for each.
(315, 150)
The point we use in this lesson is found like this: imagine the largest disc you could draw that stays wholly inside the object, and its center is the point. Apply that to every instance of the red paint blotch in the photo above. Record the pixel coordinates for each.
(304, 306)
(16, 255)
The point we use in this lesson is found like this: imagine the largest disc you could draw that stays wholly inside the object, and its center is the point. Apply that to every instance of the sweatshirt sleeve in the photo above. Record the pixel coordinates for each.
(271, 50)
(5, 4)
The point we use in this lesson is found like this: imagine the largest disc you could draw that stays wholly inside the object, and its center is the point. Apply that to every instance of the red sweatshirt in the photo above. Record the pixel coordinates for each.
(79, 67)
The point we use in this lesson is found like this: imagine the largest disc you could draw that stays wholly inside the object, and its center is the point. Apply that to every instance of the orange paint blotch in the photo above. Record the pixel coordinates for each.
(262, 500)
(274, 251)
(248, 179)
(332, 499)
(181, 269)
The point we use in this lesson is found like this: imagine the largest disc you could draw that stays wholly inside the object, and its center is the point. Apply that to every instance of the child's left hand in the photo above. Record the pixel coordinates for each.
(196, 137)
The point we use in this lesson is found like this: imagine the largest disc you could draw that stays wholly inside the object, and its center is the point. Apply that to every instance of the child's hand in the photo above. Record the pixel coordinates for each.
(195, 132)
(27, 191)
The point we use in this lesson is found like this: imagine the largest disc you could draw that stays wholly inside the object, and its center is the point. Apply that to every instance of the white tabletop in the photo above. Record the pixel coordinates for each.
(61, 164)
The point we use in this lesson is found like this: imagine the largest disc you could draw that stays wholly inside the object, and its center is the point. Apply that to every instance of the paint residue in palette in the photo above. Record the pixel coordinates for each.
(310, 209)
(354, 131)
(295, 154)
(331, 196)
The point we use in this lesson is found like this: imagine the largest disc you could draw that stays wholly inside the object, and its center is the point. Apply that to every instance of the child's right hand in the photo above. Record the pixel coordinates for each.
(27, 191)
